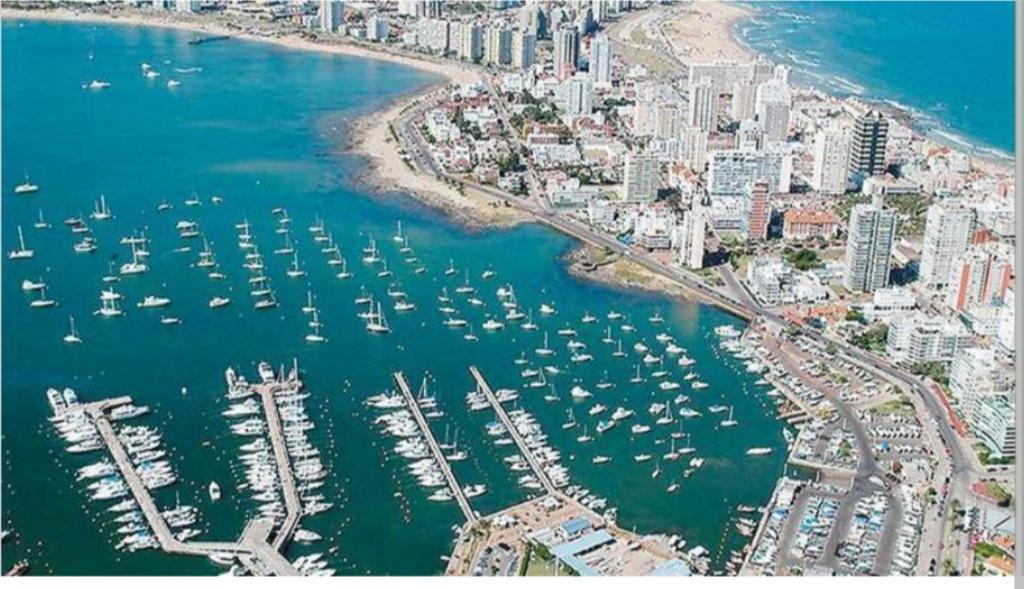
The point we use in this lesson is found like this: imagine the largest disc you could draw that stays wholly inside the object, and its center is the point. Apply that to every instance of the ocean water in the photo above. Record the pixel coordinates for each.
(950, 62)
(260, 126)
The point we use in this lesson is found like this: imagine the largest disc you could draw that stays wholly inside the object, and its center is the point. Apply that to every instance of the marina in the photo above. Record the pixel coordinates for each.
(236, 305)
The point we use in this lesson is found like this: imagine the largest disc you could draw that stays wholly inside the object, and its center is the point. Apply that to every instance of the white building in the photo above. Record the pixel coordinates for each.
(771, 106)
(468, 41)
(524, 45)
(888, 302)
(640, 181)
(693, 147)
(703, 111)
(831, 160)
(581, 96)
(947, 233)
(870, 238)
(984, 389)
(498, 45)
(915, 337)
(733, 171)
(601, 61)
(692, 231)
(330, 15)
(377, 28)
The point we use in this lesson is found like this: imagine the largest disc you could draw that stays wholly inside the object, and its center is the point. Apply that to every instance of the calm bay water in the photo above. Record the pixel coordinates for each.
(951, 62)
(258, 125)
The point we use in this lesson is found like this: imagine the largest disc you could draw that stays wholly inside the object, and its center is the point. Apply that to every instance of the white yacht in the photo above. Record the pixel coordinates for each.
(41, 223)
(26, 187)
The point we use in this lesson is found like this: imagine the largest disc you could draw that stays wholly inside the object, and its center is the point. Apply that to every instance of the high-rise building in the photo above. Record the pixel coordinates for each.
(760, 213)
(691, 236)
(870, 238)
(640, 181)
(377, 28)
(498, 45)
(668, 120)
(750, 135)
(744, 96)
(524, 46)
(693, 147)
(468, 41)
(771, 106)
(985, 389)
(567, 51)
(867, 150)
(947, 234)
(330, 15)
(733, 171)
(831, 160)
(581, 92)
(981, 276)
(599, 10)
(703, 112)
(601, 61)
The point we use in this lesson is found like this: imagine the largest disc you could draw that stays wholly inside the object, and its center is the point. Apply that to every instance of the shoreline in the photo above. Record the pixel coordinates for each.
(369, 135)
(932, 129)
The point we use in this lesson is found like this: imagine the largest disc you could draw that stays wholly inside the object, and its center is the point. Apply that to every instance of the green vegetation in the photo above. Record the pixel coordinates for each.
(510, 163)
(872, 339)
(911, 209)
(936, 371)
(984, 550)
(855, 315)
(427, 134)
(802, 259)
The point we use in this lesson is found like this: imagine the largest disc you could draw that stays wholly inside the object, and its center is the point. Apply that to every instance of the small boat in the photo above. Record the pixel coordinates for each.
(214, 491)
(26, 187)
(217, 302)
(758, 451)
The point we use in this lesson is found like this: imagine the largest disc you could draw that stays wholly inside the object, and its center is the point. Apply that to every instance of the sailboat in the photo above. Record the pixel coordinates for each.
(309, 307)
(108, 307)
(450, 269)
(101, 212)
(72, 337)
(315, 337)
(41, 223)
(572, 420)
(377, 323)
(26, 187)
(42, 301)
(135, 266)
(398, 237)
(730, 422)
(544, 350)
(287, 249)
(295, 271)
(344, 274)
(22, 253)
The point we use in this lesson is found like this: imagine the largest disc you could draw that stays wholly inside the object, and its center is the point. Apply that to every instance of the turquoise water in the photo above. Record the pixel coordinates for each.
(259, 126)
(951, 62)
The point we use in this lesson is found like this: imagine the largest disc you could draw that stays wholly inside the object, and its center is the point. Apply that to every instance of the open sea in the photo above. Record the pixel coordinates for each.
(951, 63)
(261, 126)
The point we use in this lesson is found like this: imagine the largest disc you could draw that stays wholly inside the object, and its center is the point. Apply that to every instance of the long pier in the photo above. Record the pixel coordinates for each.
(435, 448)
(252, 549)
(538, 470)
(293, 506)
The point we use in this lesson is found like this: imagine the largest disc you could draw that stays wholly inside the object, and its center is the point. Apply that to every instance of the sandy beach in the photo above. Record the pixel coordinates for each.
(703, 31)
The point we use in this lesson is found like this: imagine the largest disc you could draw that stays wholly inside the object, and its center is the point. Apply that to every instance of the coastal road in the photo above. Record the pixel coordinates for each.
(744, 305)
